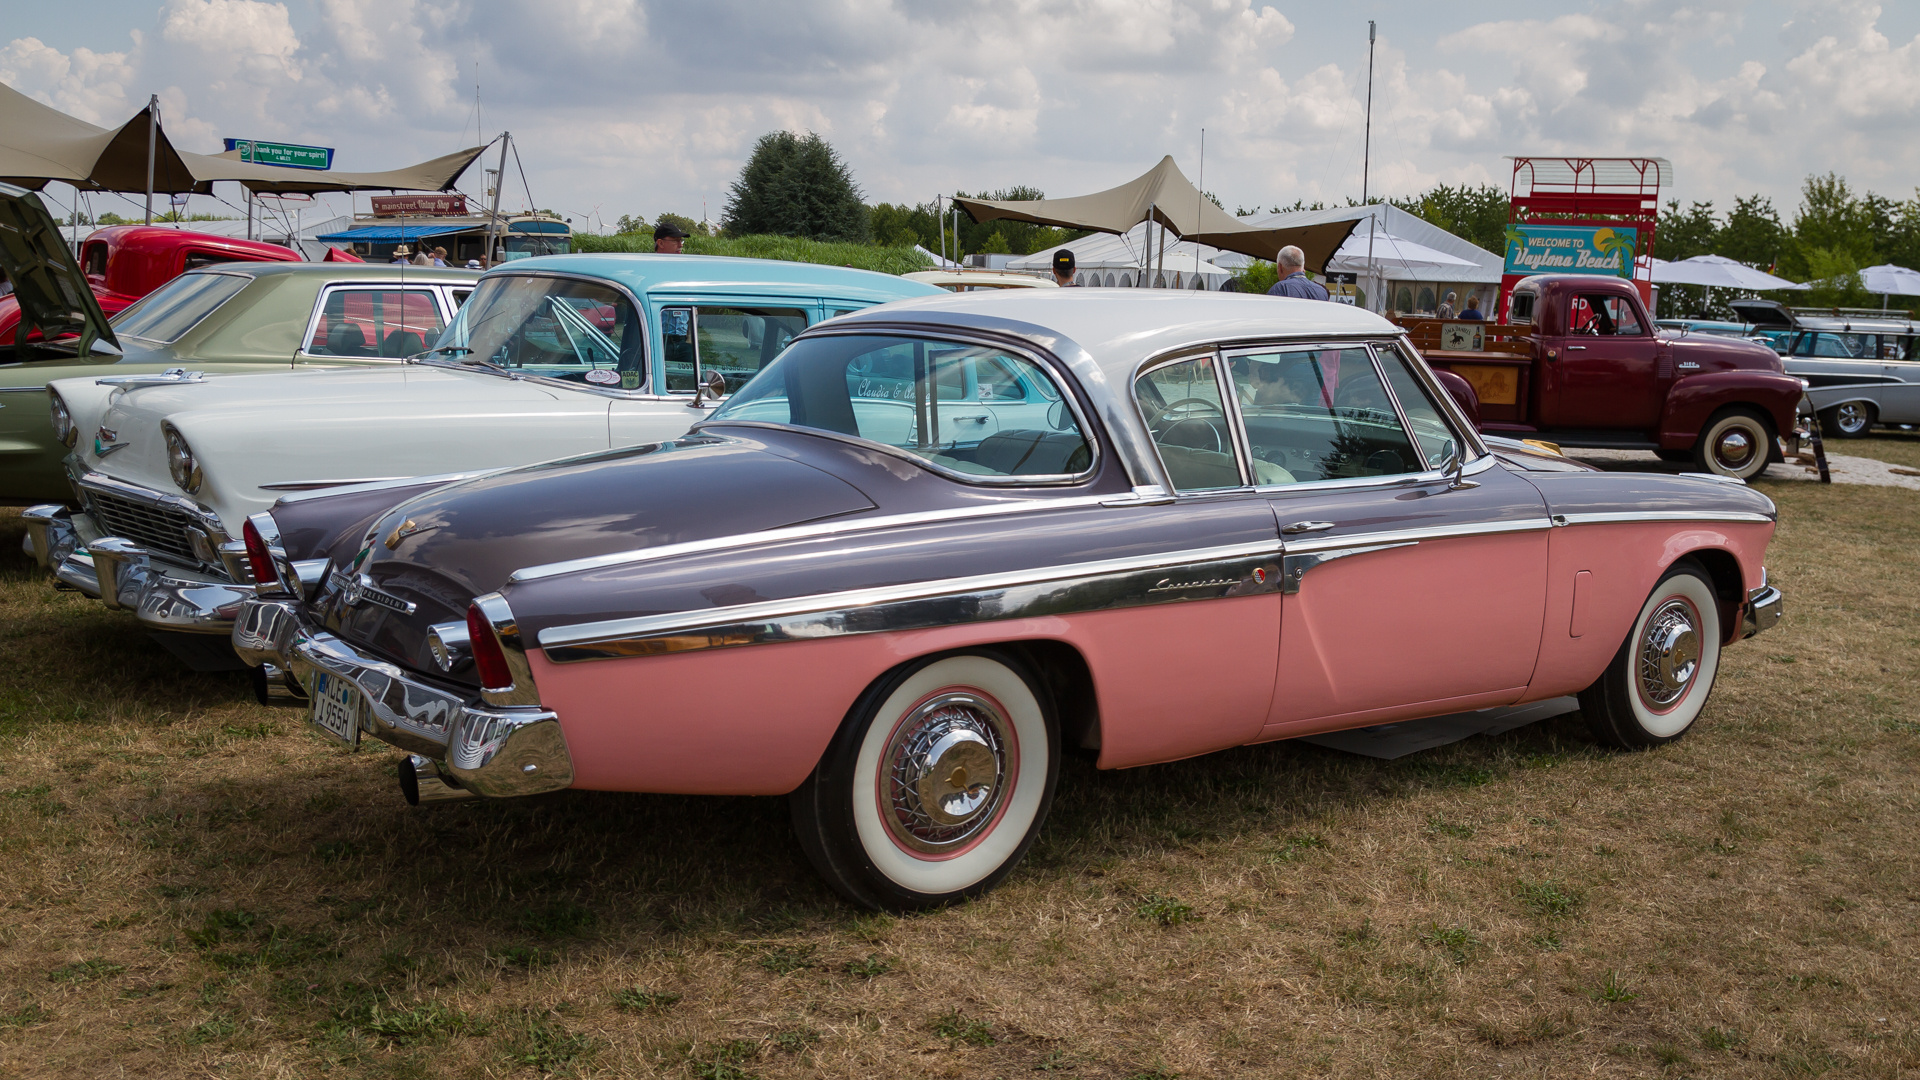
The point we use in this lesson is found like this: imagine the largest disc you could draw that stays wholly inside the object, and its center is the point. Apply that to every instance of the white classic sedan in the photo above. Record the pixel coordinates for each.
(551, 357)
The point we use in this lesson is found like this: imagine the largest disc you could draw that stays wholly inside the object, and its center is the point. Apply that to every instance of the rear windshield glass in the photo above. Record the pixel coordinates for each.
(176, 307)
(968, 409)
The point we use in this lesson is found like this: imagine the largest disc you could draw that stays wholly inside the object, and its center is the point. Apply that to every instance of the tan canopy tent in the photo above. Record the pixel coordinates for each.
(39, 143)
(1164, 195)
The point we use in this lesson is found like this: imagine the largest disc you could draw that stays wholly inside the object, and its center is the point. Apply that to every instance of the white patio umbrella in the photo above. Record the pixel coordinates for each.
(1891, 280)
(1719, 272)
(1390, 252)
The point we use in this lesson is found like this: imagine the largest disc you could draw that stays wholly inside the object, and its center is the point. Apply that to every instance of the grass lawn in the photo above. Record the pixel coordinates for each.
(193, 885)
(1895, 447)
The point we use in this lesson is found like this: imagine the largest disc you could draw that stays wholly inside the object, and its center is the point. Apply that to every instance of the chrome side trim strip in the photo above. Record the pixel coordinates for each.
(1614, 517)
(814, 530)
(358, 486)
(1414, 536)
(1294, 567)
(309, 485)
(1167, 577)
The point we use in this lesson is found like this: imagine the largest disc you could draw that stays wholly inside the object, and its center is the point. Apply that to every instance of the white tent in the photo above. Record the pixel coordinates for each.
(1406, 255)
(1718, 272)
(1123, 257)
(938, 262)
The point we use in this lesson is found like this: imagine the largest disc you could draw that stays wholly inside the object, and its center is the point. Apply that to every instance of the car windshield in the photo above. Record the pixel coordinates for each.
(178, 306)
(969, 409)
(558, 328)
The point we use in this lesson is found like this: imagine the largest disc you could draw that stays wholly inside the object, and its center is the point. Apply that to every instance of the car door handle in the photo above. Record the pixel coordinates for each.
(1299, 527)
(971, 419)
(1576, 348)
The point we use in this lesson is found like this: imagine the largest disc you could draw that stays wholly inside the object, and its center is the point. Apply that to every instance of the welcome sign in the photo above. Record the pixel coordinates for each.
(1571, 249)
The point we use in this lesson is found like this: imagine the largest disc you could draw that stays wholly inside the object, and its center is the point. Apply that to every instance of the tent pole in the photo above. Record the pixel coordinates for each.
(1146, 257)
(493, 213)
(153, 129)
(249, 212)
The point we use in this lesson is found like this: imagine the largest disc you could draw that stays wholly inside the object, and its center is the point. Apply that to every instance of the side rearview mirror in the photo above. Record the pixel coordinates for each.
(711, 384)
(1452, 466)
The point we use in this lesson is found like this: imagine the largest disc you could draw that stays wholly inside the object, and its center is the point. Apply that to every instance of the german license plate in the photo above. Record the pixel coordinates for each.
(337, 707)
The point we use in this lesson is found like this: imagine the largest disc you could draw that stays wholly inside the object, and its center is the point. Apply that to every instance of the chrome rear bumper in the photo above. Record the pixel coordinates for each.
(489, 750)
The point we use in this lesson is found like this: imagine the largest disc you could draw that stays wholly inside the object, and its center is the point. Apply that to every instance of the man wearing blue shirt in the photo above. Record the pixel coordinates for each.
(1292, 264)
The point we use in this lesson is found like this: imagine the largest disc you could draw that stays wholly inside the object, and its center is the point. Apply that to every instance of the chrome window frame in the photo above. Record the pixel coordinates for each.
(1028, 352)
(643, 393)
(1465, 434)
(327, 288)
(1229, 411)
(251, 279)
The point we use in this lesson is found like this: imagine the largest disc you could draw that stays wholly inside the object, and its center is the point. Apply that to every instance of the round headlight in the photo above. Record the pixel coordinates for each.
(180, 462)
(62, 416)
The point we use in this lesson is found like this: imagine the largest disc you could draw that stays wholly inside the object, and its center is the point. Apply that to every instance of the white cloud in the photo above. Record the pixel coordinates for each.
(647, 105)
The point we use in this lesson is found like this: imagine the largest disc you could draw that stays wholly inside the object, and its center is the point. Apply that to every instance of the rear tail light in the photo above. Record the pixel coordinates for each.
(259, 559)
(488, 658)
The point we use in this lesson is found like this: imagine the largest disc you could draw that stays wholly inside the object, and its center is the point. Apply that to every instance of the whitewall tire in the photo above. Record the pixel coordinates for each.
(1737, 442)
(1658, 683)
(935, 785)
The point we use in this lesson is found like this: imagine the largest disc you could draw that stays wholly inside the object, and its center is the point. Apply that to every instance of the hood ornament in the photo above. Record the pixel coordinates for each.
(106, 441)
(405, 529)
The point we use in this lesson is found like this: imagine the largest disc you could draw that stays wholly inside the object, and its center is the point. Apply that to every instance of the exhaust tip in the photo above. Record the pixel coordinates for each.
(410, 778)
(421, 782)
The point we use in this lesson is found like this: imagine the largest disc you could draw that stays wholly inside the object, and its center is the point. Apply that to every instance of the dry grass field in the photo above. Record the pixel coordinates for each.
(193, 885)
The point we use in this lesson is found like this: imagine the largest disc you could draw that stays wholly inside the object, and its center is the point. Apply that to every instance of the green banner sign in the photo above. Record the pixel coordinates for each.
(286, 155)
(1571, 249)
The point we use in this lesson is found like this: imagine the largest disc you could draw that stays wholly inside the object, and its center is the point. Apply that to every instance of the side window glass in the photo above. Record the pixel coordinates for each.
(1620, 313)
(386, 323)
(1320, 414)
(889, 390)
(1430, 429)
(460, 298)
(1182, 406)
(738, 342)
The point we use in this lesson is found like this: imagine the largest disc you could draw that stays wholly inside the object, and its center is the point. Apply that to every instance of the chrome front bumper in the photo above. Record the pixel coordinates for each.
(121, 574)
(489, 750)
(1762, 610)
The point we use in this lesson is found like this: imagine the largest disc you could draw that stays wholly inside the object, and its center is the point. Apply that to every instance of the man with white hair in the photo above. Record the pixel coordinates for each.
(1292, 264)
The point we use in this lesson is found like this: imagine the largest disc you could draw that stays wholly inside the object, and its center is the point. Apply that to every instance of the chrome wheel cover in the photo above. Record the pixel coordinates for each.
(1851, 417)
(946, 772)
(1669, 653)
(1733, 448)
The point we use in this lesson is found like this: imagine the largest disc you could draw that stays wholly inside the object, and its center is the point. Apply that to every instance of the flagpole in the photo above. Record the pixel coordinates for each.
(1366, 161)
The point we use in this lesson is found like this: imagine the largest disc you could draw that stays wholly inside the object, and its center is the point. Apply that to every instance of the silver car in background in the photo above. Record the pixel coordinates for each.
(1861, 367)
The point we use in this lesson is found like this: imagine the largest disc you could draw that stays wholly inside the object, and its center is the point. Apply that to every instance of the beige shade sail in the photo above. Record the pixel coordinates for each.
(1164, 195)
(39, 143)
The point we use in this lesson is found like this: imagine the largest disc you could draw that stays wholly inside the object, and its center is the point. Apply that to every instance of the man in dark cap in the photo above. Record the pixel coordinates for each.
(1063, 268)
(667, 237)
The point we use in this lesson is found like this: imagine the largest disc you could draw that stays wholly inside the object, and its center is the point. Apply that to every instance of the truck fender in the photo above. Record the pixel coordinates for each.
(1695, 398)
(1462, 393)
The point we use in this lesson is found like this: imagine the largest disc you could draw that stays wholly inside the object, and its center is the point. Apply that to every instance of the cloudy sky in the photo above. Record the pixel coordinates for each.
(639, 106)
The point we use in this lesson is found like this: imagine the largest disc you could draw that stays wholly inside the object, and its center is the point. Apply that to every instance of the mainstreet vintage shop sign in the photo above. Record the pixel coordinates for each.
(1571, 249)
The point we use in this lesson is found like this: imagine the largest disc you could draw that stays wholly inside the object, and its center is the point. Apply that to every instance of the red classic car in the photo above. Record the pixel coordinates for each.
(123, 263)
(939, 543)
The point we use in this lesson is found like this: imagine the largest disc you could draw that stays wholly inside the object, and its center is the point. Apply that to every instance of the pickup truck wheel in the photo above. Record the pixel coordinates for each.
(934, 786)
(1848, 420)
(1736, 443)
(1657, 684)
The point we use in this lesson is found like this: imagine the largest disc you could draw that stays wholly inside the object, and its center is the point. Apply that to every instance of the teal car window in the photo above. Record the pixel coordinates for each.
(559, 328)
(734, 341)
(167, 313)
(922, 396)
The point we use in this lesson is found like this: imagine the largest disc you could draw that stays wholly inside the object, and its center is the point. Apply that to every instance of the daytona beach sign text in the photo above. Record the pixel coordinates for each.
(1569, 249)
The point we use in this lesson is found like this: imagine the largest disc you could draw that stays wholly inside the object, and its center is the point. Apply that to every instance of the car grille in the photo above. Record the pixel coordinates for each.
(160, 529)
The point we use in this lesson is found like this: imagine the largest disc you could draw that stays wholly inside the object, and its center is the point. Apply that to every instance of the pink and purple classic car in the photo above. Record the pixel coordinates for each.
(939, 543)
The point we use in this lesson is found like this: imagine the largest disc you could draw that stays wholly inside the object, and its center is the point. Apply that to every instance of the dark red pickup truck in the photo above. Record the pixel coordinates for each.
(1581, 365)
(126, 262)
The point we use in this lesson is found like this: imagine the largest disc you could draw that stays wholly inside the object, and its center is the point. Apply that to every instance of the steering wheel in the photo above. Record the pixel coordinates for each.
(1164, 424)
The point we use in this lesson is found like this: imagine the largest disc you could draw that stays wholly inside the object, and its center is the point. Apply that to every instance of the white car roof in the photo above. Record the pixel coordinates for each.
(1119, 328)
